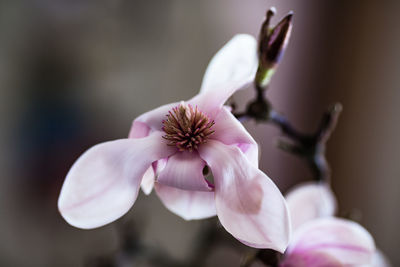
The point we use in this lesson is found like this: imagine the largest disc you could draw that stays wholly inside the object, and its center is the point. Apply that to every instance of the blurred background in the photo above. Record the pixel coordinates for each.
(75, 73)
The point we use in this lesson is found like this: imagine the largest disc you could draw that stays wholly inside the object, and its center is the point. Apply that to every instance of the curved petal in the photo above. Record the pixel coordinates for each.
(236, 62)
(103, 183)
(309, 201)
(151, 175)
(312, 259)
(142, 127)
(139, 130)
(184, 170)
(147, 183)
(344, 240)
(234, 66)
(190, 205)
(152, 119)
(229, 130)
(380, 260)
(248, 203)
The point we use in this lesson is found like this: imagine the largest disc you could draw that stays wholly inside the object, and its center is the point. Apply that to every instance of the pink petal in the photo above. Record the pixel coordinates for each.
(139, 130)
(184, 170)
(142, 127)
(229, 70)
(190, 205)
(103, 183)
(248, 203)
(152, 119)
(229, 130)
(310, 201)
(344, 240)
(312, 259)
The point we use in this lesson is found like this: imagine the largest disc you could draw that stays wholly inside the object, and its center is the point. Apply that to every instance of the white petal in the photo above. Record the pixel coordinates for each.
(233, 67)
(190, 205)
(236, 63)
(147, 183)
(151, 175)
(103, 183)
(248, 203)
(309, 201)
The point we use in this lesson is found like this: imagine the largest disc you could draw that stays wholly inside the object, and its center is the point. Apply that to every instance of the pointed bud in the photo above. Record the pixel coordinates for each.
(272, 44)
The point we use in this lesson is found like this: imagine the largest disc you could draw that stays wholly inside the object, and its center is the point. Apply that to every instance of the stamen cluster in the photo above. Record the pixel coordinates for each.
(187, 127)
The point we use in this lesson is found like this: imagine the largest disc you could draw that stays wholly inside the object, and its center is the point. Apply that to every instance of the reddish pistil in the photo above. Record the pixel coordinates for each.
(187, 127)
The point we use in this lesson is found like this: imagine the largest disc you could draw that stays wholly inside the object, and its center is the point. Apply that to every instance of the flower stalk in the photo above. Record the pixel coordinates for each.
(309, 147)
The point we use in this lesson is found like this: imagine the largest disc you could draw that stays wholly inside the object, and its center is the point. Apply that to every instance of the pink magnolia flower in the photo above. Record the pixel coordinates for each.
(322, 240)
(170, 146)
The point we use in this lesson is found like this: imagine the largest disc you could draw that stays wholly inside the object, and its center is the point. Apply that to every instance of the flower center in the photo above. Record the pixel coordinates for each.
(187, 127)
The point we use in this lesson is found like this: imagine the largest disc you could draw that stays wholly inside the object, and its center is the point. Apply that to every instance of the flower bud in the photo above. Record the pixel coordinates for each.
(272, 44)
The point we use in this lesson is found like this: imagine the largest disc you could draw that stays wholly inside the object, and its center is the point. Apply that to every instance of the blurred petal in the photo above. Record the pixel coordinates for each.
(380, 260)
(184, 170)
(152, 119)
(230, 69)
(311, 259)
(229, 130)
(159, 165)
(147, 183)
(309, 201)
(103, 183)
(248, 203)
(344, 240)
(190, 205)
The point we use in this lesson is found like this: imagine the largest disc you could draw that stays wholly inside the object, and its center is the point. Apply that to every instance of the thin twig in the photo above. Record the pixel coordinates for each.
(309, 147)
